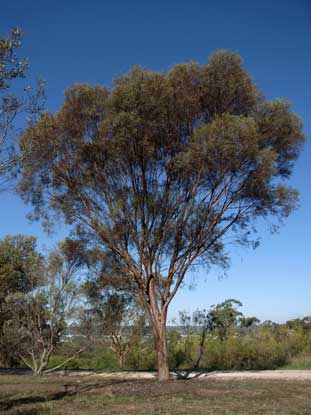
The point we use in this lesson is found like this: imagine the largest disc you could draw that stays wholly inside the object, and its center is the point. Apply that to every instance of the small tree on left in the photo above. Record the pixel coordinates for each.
(39, 316)
(20, 268)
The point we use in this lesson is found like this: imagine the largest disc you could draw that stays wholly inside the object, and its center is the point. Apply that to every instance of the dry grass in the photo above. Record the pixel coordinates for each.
(58, 395)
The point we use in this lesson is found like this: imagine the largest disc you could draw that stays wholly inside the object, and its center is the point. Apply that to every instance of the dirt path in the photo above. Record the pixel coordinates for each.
(266, 374)
(263, 374)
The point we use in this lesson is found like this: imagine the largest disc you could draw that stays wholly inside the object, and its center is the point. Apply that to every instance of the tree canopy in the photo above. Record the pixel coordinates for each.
(163, 170)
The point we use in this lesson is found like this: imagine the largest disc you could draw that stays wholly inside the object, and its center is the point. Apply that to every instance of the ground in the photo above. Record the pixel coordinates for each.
(24, 394)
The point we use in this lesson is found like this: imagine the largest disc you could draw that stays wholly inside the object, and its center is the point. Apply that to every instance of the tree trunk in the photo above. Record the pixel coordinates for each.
(162, 354)
(157, 318)
(121, 359)
(38, 372)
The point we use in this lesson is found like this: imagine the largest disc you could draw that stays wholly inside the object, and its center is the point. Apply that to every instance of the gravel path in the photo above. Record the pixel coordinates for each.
(262, 374)
(267, 374)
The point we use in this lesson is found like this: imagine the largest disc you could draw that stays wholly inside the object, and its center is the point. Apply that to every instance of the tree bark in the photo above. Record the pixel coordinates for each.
(157, 317)
(160, 340)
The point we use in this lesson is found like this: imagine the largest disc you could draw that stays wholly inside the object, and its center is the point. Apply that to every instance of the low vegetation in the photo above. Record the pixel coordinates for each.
(258, 348)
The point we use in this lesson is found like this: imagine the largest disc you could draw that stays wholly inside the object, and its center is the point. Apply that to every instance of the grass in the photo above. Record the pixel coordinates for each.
(59, 395)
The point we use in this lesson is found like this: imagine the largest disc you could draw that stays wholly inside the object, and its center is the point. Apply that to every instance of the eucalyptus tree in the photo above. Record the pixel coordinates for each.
(162, 171)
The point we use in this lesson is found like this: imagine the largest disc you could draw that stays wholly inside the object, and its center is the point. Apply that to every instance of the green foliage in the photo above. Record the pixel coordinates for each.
(247, 345)
(11, 66)
(141, 358)
(177, 354)
(20, 264)
(224, 317)
(223, 338)
(103, 359)
(256, 351)
(301, 361)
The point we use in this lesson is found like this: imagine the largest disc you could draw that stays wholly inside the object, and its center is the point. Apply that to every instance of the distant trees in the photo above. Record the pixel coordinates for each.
(248, 322)
(221, 338)
(224, 317)
(303, 323)
(27, 103)
(163, 171)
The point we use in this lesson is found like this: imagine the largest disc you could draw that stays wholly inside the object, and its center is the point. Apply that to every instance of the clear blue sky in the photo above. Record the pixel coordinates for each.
(94, 41)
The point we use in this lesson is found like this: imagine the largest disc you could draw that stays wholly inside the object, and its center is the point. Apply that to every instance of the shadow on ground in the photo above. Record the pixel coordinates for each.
(69, 389)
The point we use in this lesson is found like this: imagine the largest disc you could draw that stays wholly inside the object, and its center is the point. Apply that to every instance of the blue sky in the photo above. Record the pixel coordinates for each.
(94, 41)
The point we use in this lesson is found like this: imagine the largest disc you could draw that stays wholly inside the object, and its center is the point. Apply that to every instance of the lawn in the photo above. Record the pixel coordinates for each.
(59, 395)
